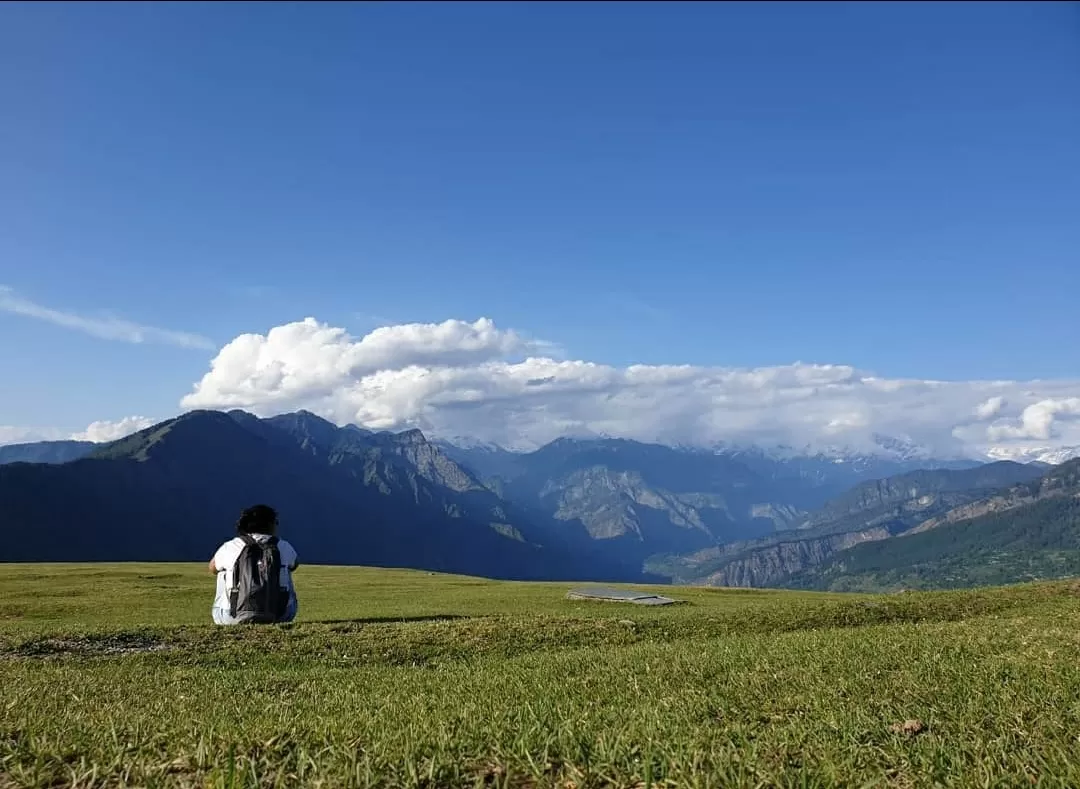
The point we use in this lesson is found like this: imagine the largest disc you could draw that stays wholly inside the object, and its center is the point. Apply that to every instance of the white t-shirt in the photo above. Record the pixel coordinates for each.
(229, 552)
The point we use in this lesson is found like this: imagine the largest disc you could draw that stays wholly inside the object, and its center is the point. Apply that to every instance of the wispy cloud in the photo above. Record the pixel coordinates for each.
(255, 291)
(107, 328)
(635, 305)
(12, 434)
(371, 320)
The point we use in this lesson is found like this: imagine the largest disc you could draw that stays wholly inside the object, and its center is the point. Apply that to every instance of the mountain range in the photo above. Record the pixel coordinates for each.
(345, 496)
(584, 509)
(1027, 531)
(871, 511)
(45, 452)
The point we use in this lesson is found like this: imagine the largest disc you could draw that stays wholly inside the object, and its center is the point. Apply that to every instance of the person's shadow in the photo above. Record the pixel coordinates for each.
(382, 620)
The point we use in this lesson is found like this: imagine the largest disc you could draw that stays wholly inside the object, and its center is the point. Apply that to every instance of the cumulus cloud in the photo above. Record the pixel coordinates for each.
(301, 362)
(106, 328)
(990, 408)
(1038, 421)
(100, 432)
(477, 380)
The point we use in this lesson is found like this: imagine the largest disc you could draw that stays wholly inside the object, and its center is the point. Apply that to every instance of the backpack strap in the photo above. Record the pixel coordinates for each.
(248, 541)
(283, 594)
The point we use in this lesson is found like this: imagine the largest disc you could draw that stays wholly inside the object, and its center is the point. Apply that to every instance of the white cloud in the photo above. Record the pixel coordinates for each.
(1038, 421)
(106, 328)
(990, 408)
(630, 303)
(474, 379)
(301, 362)
(100, 432)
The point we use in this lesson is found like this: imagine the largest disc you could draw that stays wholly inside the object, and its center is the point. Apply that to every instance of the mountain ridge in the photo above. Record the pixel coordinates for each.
(886, 450)
(872, 511)
(185, 479)
(1031, 532)
(45, 451)
(590, 507)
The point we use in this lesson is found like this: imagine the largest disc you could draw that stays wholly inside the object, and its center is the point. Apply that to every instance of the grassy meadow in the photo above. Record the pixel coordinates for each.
(111, 675)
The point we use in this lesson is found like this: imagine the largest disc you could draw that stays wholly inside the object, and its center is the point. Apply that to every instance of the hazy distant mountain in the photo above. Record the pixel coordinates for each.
(45, 452)
(831, 472)
(488, 461)
(643, 499)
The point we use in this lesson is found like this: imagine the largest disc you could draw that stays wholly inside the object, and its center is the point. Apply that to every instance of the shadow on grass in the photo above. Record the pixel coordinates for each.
(386, 620)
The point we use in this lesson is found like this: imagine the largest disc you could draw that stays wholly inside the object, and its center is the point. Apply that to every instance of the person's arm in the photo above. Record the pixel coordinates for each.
(216, 566)
(291, 551)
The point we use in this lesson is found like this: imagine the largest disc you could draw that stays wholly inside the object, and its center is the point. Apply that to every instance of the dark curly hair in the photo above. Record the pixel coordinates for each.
(259, 519)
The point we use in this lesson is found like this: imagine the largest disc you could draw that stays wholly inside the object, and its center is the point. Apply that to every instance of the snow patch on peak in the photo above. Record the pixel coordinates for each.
(467, 442)
(899, 449)
(1051, 455)
(472, 444)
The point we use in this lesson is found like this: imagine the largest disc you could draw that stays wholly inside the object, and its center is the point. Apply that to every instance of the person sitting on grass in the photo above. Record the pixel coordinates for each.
(254, 572)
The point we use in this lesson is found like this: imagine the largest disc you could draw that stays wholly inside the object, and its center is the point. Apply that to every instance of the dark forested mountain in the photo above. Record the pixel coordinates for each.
(171, 492)
(872, 511)
(1026, 532)
(45, 452)
(909, 498)
(1039, 541)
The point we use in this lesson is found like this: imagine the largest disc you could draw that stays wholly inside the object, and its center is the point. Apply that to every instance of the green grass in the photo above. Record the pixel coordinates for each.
(110, 675)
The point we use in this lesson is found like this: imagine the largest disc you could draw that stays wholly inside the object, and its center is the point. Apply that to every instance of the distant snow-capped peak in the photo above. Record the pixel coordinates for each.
(882, 448)
(467, 442)
(1050, 455)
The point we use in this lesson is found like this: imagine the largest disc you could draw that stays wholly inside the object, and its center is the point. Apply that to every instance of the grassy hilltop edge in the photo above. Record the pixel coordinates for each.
(112, 676)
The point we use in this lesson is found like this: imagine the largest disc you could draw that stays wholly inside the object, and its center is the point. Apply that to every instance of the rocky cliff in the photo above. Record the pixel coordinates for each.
(922, 490)
(765, 566)
(871, 511)
(1060, 481)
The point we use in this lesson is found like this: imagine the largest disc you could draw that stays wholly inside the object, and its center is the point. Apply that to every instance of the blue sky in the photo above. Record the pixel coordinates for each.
(890, 186)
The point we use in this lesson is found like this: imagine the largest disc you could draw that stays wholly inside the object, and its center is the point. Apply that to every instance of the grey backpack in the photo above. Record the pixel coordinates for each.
(257, 595)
